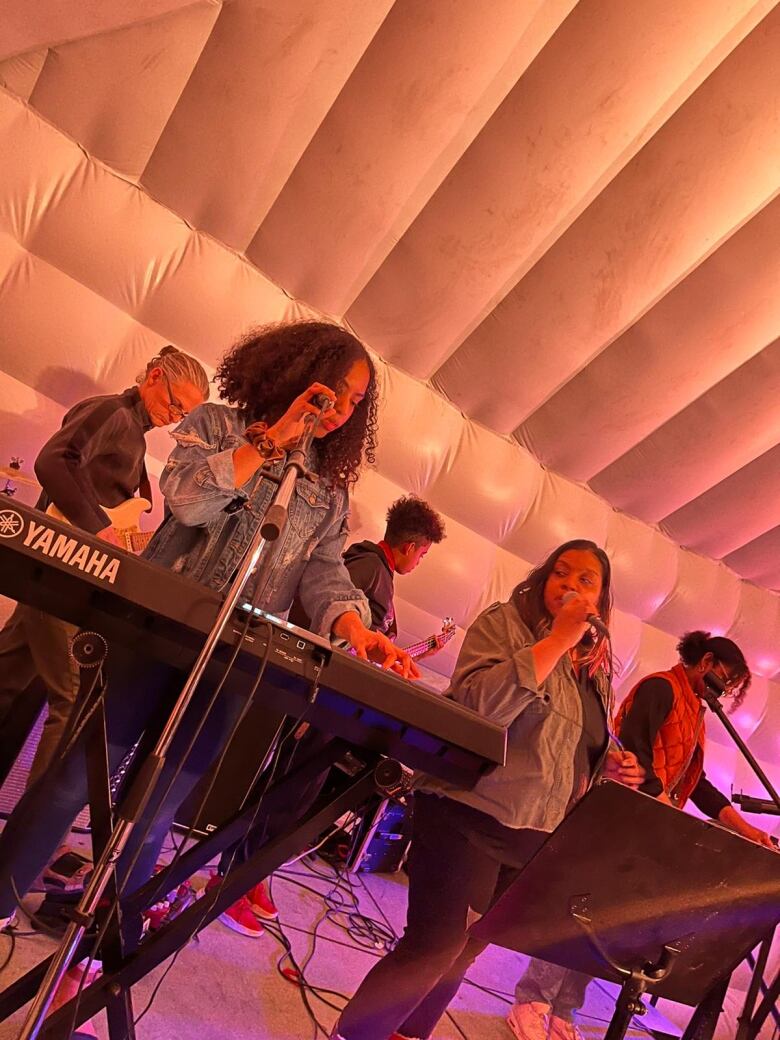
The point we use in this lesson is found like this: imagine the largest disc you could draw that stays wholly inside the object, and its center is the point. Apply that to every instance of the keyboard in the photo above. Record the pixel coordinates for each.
(165, 617)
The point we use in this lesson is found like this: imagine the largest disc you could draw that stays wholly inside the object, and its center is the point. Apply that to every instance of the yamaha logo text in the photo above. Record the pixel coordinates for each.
(72, 551)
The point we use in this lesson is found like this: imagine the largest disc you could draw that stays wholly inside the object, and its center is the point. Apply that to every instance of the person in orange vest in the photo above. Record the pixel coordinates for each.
(662, 722)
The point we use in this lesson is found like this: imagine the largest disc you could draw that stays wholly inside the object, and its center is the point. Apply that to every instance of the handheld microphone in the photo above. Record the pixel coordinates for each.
(593, 619)
(322, 401)
(714, 683)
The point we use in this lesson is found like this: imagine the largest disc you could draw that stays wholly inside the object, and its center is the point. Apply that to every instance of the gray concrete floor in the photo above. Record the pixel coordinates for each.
(225, 986)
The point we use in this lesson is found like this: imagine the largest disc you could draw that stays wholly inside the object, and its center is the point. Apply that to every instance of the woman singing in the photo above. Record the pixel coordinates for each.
(530, 664)
(216, 496)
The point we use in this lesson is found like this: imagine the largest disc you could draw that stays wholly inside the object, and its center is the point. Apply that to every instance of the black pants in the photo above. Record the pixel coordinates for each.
(138, 694)
(32, 644)
(301, 796)
(449, 873)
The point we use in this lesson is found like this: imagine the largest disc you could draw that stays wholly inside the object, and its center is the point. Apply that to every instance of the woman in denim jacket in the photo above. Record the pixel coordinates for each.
(215, 497)
(530, 664)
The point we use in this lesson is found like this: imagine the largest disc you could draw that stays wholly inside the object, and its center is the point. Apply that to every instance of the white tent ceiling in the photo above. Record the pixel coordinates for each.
(555, 222)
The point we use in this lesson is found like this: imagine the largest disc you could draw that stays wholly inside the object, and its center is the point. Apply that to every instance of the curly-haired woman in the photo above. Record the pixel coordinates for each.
(533, 665)
(662, 721)
(216, 496)
(215, 491)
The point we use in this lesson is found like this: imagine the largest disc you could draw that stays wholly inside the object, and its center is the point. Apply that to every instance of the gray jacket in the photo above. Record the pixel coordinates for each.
(495, 676)
(201, 540)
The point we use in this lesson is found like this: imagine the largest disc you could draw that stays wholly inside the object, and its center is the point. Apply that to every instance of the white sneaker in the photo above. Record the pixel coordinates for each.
(529, 1021)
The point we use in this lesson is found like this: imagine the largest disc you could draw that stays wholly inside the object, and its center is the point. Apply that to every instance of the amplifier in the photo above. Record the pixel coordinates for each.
(386, 848)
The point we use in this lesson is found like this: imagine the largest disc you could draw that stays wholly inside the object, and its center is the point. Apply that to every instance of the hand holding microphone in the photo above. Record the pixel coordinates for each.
(592, 618)
(575, 617)
(285, 433)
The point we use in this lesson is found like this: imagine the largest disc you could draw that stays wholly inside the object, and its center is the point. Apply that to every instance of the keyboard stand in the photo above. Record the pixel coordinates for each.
(113, 989)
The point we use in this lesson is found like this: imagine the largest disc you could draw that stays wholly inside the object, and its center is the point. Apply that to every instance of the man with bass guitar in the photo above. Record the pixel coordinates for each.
(89, 472)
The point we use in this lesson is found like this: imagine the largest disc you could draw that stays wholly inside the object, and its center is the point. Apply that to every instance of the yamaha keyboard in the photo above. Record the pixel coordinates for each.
(162, 616)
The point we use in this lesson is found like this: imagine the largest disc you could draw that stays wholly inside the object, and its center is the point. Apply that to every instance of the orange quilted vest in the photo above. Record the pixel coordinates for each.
(678, 749)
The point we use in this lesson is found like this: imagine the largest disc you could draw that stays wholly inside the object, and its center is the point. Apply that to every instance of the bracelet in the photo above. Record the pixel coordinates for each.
(266, 447)
(263, 444)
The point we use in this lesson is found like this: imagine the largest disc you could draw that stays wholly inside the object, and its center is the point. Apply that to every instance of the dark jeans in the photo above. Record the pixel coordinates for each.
(545, 983)
(36, 644)
(449, 873)
(138, 693)
(301, 795)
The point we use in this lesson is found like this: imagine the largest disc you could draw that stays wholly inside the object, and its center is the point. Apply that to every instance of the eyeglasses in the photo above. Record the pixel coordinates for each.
(175, 407)
(730, 682)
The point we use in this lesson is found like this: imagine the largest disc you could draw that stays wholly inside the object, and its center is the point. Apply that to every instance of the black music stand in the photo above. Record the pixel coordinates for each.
(636, 892)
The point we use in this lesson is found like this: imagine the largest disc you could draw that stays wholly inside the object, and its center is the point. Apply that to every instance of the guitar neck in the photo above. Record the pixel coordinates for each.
(135, 541)
(124, 521)
(418, 649)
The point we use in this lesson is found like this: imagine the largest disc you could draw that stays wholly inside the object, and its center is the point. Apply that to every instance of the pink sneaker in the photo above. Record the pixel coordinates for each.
(241, 918)
(7, 924)
(563, 1029)
(261, 903)
(529, 1021)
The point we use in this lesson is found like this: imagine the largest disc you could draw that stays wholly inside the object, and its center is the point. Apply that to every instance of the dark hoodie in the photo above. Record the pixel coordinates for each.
(370, 572)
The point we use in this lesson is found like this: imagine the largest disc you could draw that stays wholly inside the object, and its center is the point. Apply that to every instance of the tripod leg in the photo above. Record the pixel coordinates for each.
(764, 1008)
(704, 1019)
(755, 983)
(628, 1004)
(119, 1009)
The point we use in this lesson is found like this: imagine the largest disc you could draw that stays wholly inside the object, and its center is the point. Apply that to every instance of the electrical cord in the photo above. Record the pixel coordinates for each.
(340, 880)
(296, 975)
(200, 923)
(279, 746)
(343, 910)
(113, 908)
(198, 730)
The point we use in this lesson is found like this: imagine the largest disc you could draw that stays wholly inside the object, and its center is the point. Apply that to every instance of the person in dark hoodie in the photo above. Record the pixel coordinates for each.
(412, 528)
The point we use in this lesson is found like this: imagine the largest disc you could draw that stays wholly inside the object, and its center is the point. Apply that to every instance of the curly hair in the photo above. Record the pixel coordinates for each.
(529, 598)
(410, 519)
(270, 366)
(694, 645)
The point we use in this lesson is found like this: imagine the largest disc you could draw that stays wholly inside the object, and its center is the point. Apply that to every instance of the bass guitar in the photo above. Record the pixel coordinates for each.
(125, 520)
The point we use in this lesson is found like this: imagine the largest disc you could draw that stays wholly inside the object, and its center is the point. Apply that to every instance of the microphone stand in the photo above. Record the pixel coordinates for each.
(714, 688)
(755, 805)
(141, 789)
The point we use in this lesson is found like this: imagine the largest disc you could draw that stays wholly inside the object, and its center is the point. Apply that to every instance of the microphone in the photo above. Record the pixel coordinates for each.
(755, 805)
(322, 401)
(714, 683)
(593, 619)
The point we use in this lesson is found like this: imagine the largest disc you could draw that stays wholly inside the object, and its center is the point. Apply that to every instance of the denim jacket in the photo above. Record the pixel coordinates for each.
(495, 675)
(201, 540)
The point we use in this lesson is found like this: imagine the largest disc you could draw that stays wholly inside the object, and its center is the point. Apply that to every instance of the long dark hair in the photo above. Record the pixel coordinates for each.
(270, 366)
(694, 645)
(529, 598)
